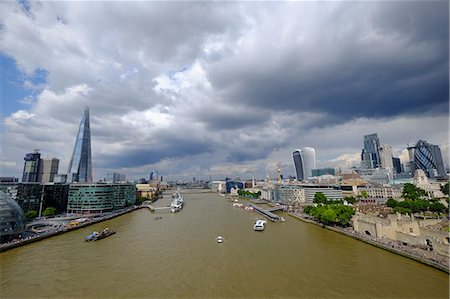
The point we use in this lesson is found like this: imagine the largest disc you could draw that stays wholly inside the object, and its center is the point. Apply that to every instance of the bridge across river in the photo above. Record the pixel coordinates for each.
(268, 214)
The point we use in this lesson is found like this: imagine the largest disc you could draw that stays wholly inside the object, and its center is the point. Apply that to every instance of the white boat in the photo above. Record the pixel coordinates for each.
(259, 225)
(219, 239)
(177, 202)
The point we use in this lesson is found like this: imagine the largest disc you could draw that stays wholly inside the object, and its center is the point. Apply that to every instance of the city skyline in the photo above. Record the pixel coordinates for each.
(231, 95)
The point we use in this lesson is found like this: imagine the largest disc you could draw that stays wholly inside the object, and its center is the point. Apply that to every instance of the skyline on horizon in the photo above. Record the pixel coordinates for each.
(198, 89)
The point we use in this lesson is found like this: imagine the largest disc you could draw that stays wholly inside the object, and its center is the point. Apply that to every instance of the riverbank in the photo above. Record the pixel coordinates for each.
(28, 240)
(392, 246)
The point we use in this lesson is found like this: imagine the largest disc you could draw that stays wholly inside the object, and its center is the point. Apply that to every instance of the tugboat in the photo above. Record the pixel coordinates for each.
(95, 236)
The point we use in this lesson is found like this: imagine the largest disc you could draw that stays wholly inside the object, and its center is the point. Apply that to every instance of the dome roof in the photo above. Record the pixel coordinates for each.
(12, 220)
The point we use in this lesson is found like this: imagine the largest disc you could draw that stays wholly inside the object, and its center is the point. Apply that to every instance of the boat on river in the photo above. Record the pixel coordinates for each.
(259, 225)
(177, 202)
(95, 236)
(219, 239)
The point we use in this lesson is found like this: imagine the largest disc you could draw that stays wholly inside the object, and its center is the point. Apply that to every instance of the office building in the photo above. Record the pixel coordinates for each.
(427, 157)
(397, 165)
(99, 198)
(80, 165)
(48, 170)
(116, 178)
(370, 157)
(304, 162)
(322, 171)
(31, 167)
(386, 159)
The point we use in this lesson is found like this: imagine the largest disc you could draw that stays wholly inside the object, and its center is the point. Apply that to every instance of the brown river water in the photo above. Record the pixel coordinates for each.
(178, 257)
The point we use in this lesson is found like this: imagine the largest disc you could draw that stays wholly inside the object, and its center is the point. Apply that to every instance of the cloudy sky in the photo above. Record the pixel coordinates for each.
(222, 89)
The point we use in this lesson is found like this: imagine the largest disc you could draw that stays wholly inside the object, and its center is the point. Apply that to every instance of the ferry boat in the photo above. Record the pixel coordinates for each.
(259, 225)
(95, 236)
(177, 202)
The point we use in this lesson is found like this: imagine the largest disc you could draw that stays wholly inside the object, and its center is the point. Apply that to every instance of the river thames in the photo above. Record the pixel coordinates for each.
(178, 257)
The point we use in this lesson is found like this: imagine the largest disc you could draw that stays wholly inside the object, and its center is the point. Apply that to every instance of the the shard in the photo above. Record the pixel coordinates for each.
(80, 166)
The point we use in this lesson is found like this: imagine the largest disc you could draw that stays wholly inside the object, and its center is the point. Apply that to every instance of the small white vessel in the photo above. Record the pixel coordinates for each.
(259, 225)
(219, 239)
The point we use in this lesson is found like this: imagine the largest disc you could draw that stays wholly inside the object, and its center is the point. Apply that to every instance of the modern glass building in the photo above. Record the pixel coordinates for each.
(370, 155)
(99, 198)
(12, 220)
(427, 157)
(304, 162)
(323, 171)
(80, 165)
(31, 167)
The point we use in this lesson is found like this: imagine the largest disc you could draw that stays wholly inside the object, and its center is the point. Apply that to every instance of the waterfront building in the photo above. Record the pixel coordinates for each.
(146, 190)
(29, 196)
(386, 159)
(12, 219)
(48, 170)
(124, 195)
(304, 193)
(56, 196)
(406, 229)
(427, 157)
(304, 162)
(80, 165)
(99, 198)
(31, 167)
(322, 171)
(370, 156)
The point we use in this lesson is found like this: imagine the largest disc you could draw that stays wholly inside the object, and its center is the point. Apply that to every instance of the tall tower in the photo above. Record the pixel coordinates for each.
(80, 166)
(304, 162)
(370, 155)
(386, 159)
(428, 157)
(31, 167)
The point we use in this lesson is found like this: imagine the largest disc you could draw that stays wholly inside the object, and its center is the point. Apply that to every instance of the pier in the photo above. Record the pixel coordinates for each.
(268, 214)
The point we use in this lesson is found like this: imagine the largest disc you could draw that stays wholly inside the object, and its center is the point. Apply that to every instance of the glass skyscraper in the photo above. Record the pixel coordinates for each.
(370, 155)
(31, 167)
(80, 166)
(427, 157)
(304, 162)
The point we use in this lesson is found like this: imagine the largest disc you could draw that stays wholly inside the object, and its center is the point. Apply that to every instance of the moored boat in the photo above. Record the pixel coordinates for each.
(95, 236)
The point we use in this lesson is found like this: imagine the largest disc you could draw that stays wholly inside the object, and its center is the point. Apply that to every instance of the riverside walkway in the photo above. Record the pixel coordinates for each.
(269, 215)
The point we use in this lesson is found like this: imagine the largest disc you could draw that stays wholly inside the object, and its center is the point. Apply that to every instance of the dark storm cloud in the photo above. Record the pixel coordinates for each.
(393, 63)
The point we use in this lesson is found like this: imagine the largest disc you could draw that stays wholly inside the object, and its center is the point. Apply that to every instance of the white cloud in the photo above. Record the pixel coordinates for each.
(171, 86)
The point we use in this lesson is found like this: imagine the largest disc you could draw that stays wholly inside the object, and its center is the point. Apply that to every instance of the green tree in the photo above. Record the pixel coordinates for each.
(319, 197)
(437, 207)
(402, 210)
(50, 211)
(444, 189)
(140, 200)
(411, 192)
(364, 194)
(350, 199)
(31, 214)
(329, 216)
(392, 203)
